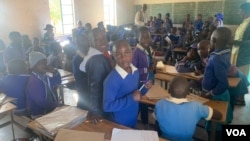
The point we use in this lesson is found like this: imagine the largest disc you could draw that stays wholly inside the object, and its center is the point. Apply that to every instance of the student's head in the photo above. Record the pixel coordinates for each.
(188, 17)
(159, 16)
(82, 43)
(220, 38)
(199, 16)
(98, 39)
(79, 23)
(26, 41)
(49, 28)
(38, 62)
(15, 37)
(210, 19)
(244, 11)
(17, 67)
(144, 37)
(179, 87)
(56, 48)
(203, 48)
(88, 26)
(123, 54)
(167, 16)
(151, 18)
(144, 7)
(192, 53)
(100, 25)
(173, 30)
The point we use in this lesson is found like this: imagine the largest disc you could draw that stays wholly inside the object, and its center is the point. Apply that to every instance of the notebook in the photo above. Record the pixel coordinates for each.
(157, 92)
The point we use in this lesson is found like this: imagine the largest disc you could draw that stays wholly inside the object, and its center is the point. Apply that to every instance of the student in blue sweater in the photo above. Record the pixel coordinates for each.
(13, 84)
(40, 89)
(121, 94)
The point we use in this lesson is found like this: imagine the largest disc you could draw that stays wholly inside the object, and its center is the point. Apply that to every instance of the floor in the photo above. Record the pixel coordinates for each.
(241, 116)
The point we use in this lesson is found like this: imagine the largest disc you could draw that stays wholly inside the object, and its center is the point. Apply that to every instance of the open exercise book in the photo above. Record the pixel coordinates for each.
(65, 117)
(157, 92)
(134, 135)
(73, 135)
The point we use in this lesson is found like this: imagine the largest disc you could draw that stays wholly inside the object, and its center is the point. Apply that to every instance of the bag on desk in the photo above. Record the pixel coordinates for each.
(65, 117)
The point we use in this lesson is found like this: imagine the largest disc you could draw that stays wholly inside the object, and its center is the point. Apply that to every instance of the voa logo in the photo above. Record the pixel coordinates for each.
(236, 132)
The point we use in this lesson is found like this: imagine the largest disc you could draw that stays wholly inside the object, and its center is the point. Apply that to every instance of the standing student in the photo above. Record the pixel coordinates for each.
(48, 38)
(198, 23)
(121, 94)
(177, 117)
(215, 82)
(97, 66)
(143, 60)
(40, 89)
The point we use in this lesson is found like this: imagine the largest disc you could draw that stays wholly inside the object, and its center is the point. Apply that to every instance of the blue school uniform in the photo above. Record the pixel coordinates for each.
(172, 115)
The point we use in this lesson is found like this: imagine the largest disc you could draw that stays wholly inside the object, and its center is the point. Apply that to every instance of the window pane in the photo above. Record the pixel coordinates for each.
(66, 10)
(68, 28)
(66, 2)
(68, 19)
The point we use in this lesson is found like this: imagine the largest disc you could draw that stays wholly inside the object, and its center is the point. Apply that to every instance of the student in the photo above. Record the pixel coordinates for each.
(81, 79)
(48, 38)
(198, 23)
(190, 62)
(97, 67)
(15, 49)
(2, 65)
(14, 83)
(40, 89)
(143, 60)
(88, 28)
(159, 23)
(187, 23)
(121, 94)
(36, 46)
(177, 117)
(55, 57)
(215, 82)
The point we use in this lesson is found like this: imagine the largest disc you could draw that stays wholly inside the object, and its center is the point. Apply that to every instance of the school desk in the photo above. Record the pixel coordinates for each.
(8, 108)
(103, 126)
(221, 106)
(64, 73)
(167, 72)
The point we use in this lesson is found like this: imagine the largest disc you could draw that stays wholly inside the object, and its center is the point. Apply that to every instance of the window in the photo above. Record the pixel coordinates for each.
(62, 16)
(109, 12)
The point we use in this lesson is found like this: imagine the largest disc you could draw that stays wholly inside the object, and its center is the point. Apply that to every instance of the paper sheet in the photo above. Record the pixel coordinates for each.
(157, 92)
(171, 69)
(73, 135)
(134, 135)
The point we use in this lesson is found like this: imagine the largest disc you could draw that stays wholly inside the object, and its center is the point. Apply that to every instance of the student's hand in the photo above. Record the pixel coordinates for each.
(197, 72)
(137, 95)
(149, 84)
(206, 95)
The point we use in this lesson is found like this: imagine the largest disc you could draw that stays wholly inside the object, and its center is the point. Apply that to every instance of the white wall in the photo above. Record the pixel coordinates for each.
(27, 17)
(125, 11)
(167, 1)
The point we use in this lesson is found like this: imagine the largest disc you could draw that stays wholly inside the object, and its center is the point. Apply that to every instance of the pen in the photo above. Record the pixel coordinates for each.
(141, 87)
(195, 68)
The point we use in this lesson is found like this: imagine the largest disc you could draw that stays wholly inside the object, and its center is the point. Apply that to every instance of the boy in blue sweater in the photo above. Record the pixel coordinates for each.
(215, 82)
(121, 94)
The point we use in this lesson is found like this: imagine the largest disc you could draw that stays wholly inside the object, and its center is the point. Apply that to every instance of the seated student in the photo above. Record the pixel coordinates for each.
(55, 57)
(190, 62)
(40, 89)
(215, 82)
(88, 28)
(121, 94)
(13, 84)
(177, 117)
(189, 39)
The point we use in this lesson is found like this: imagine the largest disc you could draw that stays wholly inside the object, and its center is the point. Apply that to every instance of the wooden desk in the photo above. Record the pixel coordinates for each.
(180, 50)
(64, 73)
(168, 71)
(8, 108)
(104, 126)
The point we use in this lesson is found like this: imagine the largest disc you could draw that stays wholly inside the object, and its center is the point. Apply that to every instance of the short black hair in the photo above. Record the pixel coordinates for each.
(179, 87)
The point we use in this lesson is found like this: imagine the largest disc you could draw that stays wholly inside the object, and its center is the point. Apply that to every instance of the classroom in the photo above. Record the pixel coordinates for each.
(119, 70)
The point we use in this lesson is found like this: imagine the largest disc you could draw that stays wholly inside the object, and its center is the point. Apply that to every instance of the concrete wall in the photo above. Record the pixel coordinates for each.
(25, 16)
(125, 11)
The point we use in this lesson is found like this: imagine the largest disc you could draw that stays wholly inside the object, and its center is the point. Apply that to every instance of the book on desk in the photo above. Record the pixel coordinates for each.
(64, 117)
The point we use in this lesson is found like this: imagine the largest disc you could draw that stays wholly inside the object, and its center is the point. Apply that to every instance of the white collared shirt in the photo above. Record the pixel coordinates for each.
(122, 72)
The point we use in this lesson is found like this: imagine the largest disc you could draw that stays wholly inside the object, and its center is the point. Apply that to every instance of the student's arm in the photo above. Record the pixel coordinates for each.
(137, 19)
(110, 101)
(220, 71)
(182, 68)
(208, 113)
(97, 73)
